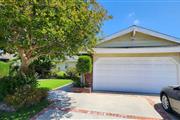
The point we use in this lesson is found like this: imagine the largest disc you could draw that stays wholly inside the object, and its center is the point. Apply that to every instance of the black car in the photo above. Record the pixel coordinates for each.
(170, 98)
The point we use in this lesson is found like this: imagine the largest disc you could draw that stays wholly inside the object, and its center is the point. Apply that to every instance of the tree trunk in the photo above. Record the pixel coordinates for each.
(24, 61)
(24, 68)
(83, 79)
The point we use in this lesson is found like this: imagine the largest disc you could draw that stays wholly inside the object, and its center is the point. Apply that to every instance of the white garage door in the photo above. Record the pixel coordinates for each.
(134, 74)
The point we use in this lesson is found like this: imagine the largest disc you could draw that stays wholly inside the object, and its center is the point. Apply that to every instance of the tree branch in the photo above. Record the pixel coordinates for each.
(39, 55)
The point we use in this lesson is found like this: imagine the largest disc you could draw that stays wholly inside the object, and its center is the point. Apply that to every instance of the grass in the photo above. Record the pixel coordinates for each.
(24, 113)
(4, 69)
(53, 83)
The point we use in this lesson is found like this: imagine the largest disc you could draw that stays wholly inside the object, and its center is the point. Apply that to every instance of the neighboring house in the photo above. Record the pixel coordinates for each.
(69, 62)
(136, 60)
(6, 57)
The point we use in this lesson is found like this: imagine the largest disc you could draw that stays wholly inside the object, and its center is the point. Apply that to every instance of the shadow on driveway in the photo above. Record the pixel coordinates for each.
(61, 104)
(166, 116)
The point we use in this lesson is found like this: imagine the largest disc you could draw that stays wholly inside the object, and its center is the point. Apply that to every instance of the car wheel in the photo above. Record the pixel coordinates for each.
(165, 103)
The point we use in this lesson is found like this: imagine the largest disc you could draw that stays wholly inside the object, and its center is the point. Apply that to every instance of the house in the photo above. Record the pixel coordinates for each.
(68, 63)
(6, 57)
(136, 60)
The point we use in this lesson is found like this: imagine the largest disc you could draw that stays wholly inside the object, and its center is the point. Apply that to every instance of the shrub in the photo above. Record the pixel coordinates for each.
(26, 96)
(74, 75)
(9, 84)
(84, 65)
(42, 66)
(61, 74)
(58, 74)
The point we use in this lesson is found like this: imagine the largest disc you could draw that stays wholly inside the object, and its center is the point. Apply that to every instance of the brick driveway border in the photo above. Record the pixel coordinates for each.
(149, 99)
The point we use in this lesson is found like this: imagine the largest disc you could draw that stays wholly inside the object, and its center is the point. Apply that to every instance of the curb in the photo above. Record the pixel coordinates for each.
(63, 86)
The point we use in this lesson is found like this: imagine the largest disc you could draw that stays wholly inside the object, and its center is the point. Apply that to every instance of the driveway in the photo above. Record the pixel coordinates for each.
(103, 106)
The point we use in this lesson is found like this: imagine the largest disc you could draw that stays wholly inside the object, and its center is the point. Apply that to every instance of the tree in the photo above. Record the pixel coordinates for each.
(56, 28)
(84, 65)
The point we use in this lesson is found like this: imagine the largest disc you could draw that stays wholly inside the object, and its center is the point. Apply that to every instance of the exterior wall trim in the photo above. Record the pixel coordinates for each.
(137, 50)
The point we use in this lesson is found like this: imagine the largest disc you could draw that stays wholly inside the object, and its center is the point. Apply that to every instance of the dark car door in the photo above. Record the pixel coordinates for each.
(175, 99)
(178, 93)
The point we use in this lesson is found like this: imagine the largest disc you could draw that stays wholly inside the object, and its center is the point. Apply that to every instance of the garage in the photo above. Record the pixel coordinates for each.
(134, 74)
(136, 59)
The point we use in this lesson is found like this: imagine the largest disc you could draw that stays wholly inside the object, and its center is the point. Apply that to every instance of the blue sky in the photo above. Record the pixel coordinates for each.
(160, 15)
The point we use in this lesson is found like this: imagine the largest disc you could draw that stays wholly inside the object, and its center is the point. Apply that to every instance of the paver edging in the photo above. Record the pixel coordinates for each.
(158, 109)
(84, 111)
(79, 110)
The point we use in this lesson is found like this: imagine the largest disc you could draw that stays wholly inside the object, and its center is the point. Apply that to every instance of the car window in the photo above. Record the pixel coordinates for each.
(178, 88)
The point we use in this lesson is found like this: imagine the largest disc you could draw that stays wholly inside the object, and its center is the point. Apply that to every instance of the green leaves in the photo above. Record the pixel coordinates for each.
(55, 28)
(84, 64)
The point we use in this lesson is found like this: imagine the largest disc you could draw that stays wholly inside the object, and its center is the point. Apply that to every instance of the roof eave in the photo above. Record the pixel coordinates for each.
(141, 30)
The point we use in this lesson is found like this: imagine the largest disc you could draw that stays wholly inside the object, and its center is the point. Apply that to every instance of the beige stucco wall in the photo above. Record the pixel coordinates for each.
(139, 41)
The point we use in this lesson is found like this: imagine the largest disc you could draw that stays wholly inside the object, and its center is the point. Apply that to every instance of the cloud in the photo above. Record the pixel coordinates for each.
(136, 22)
(131, 14)
(132, 18)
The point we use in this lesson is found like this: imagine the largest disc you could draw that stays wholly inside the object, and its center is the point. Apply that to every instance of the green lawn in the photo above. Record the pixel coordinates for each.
(53, 83)
(4, 69)
(24, 113)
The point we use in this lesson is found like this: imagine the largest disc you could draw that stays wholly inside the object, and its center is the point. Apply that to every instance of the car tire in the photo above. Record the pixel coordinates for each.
(165, 103)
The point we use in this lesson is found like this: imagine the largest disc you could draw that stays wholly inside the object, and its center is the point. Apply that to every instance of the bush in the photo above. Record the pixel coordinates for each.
(42, 66)
(26, 96)
(58, 74)
(74, 75)
(9, 84)
(61, 74)
(84, 64)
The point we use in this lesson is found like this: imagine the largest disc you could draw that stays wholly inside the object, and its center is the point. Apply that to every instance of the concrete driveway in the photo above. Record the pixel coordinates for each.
(103, 106)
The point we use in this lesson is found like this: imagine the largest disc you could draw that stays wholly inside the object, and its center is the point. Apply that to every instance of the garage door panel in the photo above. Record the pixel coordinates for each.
(133, 60)
(137, 75)
(134, 67)
(134, 74)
